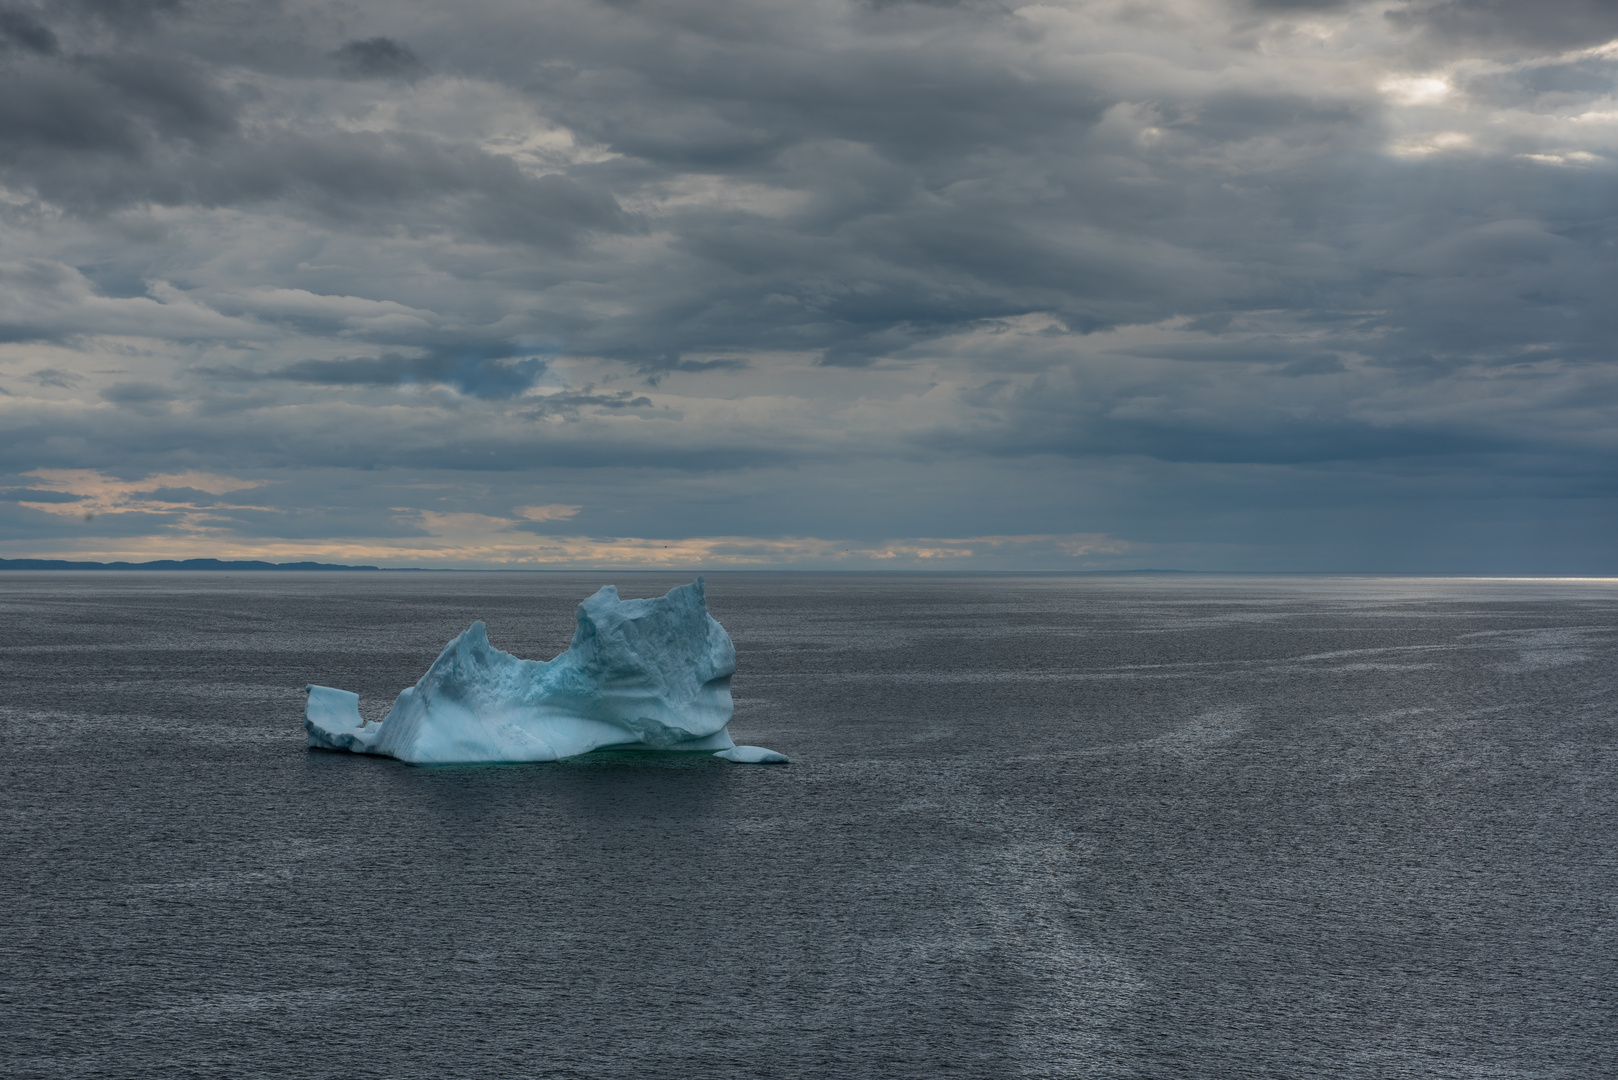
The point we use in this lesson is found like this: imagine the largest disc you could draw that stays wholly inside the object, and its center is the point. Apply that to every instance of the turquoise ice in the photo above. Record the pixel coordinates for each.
(651, 674)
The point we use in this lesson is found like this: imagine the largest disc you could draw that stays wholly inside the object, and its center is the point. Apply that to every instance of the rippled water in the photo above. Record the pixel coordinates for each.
(1036, 826)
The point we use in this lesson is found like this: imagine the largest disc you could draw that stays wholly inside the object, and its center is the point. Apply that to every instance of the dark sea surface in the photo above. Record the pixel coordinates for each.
(1034, 826)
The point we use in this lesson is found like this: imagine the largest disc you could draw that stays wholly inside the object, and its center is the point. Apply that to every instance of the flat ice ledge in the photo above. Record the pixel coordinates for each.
(753, 755)
(639, 673)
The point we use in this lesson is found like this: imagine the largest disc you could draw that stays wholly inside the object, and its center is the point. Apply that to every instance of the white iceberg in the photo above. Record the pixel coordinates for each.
(649, 674)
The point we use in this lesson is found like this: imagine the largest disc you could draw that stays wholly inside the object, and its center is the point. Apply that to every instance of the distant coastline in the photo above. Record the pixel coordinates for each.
(253, 564)
(173, 564)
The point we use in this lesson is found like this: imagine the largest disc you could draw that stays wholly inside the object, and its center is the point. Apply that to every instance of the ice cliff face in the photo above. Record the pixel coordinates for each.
(644, 673)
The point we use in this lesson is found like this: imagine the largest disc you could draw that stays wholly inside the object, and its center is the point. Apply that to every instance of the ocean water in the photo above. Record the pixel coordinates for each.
(1035, 827)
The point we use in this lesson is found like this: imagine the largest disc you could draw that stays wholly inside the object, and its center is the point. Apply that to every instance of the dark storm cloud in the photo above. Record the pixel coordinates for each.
(136, 393)
(106, 114)
(477, 376)
(470, 375)
(933, 178)
(378, 58)
(1045, 424)
(824, 235)
(125, 13)
(132, 132)
(64, 380)
(706, 365)
(569, 403)
(341, 437)
(1543, 24)
(24, 523)
(100, 132)
(656, 367)
(18, 29)
(29, 494)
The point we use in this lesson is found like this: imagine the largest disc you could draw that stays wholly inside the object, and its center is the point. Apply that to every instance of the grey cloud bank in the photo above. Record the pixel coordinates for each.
(1216, 285)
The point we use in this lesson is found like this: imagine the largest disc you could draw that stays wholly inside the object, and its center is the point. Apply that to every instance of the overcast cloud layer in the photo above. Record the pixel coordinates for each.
(1209, 284)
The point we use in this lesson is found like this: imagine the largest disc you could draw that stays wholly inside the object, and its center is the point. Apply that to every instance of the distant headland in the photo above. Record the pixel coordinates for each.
(173, 564)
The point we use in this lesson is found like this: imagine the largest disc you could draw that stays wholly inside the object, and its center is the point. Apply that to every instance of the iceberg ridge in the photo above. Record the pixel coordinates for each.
(639, 673)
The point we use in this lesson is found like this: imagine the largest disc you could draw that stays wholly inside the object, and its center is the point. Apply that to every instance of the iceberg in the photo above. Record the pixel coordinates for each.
(651, 674)
(753, 755)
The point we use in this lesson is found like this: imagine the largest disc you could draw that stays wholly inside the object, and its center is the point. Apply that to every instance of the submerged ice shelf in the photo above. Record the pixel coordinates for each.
(753, 755)
(651, 674)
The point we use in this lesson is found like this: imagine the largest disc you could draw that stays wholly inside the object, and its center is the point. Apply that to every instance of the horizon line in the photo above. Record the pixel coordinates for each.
(213, 565)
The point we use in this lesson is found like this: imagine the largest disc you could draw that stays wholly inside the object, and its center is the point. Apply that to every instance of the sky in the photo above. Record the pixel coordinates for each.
(1236, 285)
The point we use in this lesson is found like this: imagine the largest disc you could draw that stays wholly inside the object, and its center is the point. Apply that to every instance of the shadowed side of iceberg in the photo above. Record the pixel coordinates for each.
(639, 673)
